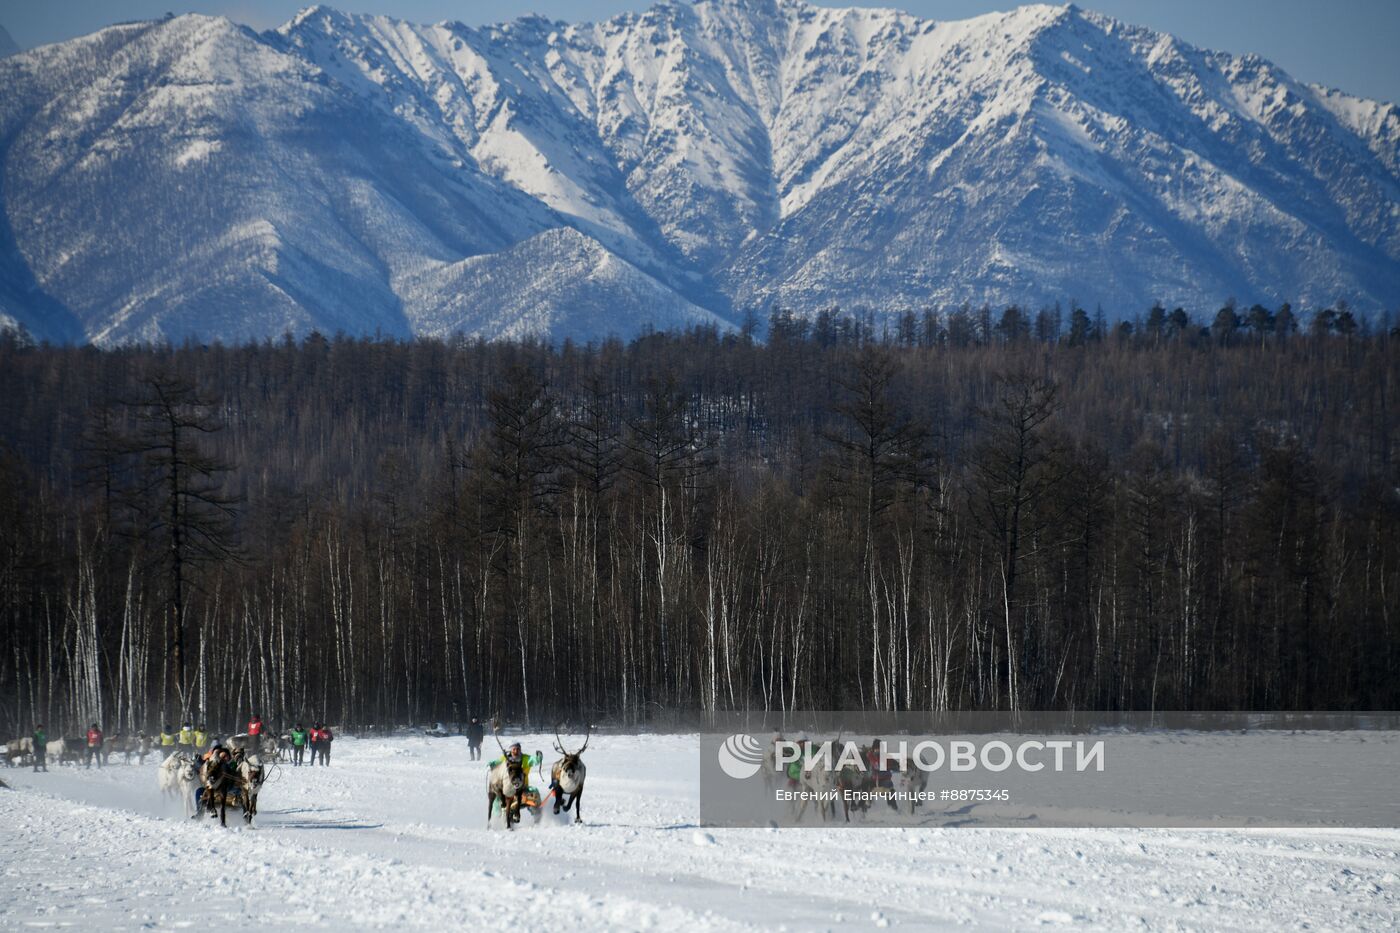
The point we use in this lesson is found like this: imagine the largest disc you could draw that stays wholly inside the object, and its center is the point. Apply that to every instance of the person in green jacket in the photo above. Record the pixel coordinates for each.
(526, 761)
(201, 736)
(794, 768)
(41, 748)
(298, 744)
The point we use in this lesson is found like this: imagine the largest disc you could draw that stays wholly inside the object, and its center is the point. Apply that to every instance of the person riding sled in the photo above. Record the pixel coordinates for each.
(220, 772)
(515, 756)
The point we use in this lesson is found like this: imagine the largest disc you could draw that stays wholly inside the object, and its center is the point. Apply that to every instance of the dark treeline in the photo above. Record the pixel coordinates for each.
(955, 513)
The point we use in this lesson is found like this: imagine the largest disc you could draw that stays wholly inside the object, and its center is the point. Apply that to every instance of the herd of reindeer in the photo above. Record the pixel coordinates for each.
(824, 785)
(75, 750)
(183, 773)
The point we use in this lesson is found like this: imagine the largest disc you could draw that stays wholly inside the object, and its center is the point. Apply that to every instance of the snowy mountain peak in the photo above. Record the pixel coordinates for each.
(351, 171)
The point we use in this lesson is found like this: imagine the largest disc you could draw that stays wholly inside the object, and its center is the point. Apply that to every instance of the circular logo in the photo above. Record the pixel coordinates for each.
(740, 756)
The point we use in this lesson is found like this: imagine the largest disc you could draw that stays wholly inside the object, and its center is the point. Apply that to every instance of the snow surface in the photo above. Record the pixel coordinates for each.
(393, 835)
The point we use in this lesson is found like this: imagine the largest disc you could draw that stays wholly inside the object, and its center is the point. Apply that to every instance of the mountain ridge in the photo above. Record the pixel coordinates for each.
(192, 177)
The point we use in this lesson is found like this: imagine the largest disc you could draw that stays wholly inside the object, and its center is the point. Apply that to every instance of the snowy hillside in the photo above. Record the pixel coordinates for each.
(191, 177)
(393, 834)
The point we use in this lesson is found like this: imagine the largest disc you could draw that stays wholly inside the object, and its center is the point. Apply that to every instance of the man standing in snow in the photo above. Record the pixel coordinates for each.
(326, 739)
(255, 726)
(298, 744)
(41, 748)
(94, 745)
(475, 734)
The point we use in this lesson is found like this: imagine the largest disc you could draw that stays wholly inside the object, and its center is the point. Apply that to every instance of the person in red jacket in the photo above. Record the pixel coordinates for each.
(314, 737)
(326, 739)
(255, 725)
(94, 745)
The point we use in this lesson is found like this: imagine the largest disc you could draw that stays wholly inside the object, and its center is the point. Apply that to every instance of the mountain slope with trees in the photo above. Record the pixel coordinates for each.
(192, 178)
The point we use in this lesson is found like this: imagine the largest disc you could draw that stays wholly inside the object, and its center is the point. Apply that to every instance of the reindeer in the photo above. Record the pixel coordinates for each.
(251, 772)
(771, 774)
(913, 781)
(142, 749)
(67, 750)
(567, 776)
(21, 750)
(119, 744)
(505, 782)
(872, 782)
(224, 788)
(819, 778)
(269, 747)
(853, 778)
(178, 777)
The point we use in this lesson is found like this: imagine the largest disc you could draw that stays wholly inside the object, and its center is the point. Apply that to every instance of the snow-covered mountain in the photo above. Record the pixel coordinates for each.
(191, 177)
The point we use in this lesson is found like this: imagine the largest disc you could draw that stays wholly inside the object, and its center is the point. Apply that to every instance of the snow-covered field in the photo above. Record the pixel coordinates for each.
(393, 834)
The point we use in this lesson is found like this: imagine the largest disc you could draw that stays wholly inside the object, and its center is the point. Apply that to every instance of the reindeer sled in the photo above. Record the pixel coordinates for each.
(508, 792)
(238, 788)
(529, 801)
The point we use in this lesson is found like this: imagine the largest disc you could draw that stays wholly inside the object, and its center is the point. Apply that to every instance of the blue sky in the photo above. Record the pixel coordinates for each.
(1349, 44)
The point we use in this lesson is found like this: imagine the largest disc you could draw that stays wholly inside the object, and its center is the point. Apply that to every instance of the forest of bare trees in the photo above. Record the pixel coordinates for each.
(957, 512)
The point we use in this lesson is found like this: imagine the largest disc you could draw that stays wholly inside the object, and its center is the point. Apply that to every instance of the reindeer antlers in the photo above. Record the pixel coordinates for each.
(559, 743)
(496, 734)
